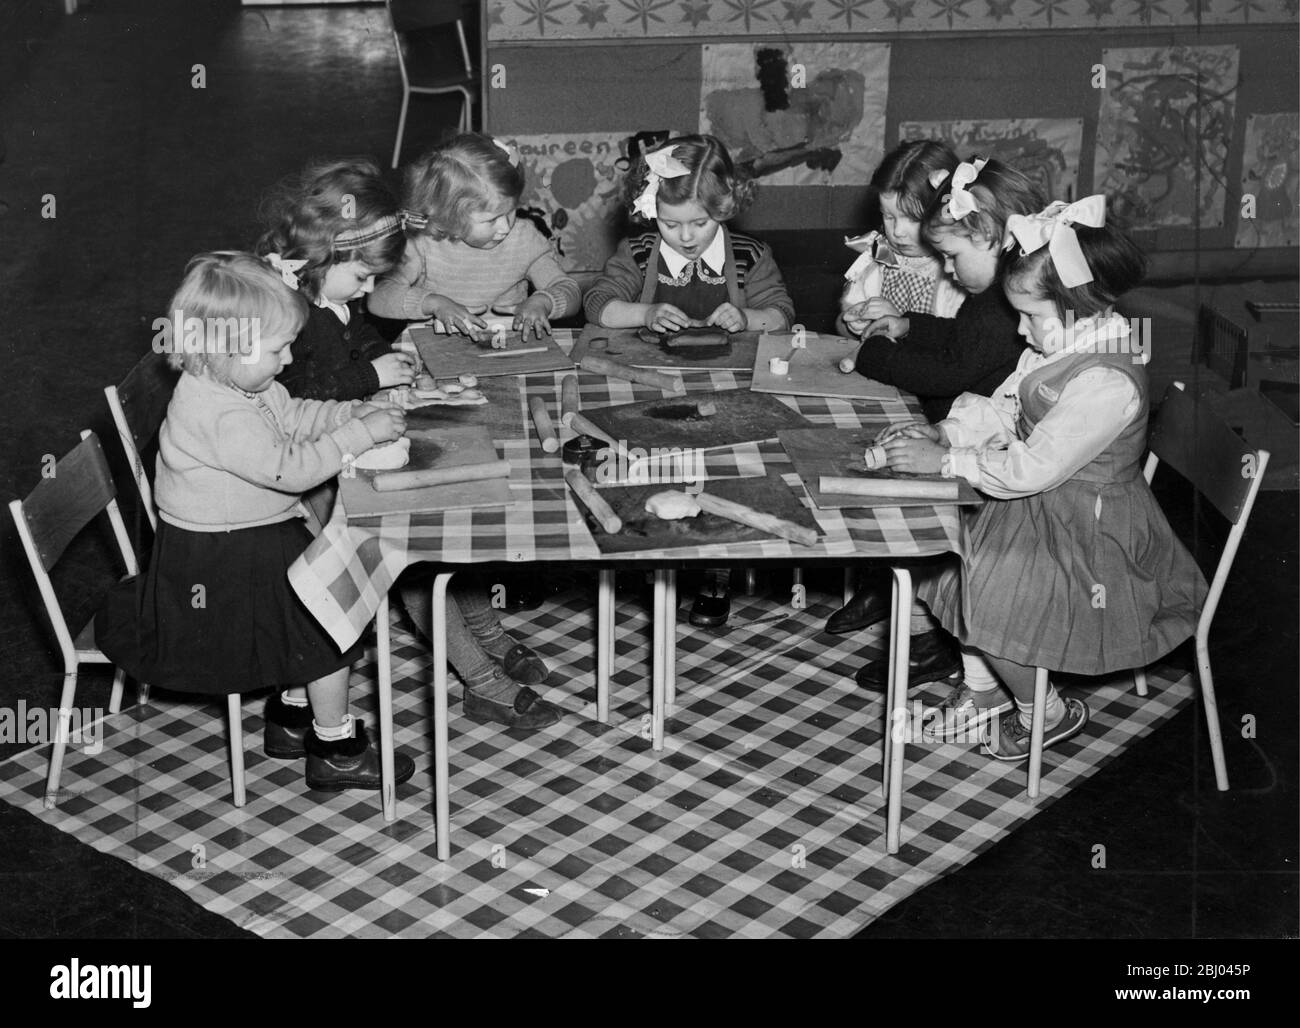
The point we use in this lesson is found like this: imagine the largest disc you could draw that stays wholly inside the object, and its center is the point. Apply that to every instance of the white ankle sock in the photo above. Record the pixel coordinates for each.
(336, 733)
(977, 674)
(1055, 710)
(293, 701)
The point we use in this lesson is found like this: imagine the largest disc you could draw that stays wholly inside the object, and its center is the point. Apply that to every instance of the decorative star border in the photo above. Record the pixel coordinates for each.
(528, 20)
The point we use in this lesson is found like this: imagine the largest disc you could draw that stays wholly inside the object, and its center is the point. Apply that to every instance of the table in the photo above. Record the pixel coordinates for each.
(344, 576)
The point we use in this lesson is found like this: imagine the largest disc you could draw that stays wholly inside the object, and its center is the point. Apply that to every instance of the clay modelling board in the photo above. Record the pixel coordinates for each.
(645, 531)
(740, 417)
(446, 356)
(631, 346)
(502, 415)
(445, 448)
(839, 452)
(814, 369)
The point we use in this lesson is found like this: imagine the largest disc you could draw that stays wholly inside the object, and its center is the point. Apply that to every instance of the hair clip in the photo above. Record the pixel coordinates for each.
(1053, 227)
(661, 164)
(413, 219)
(288, 269)
(960, 202)
(511, 151)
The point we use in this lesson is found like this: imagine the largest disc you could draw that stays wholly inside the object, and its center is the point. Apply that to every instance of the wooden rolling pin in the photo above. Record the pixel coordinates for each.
(584, 427)
(586, 492)
(542, 420)
(755, 519)
(394, 481)
(570, 404)
(919, 489)
(654, 379)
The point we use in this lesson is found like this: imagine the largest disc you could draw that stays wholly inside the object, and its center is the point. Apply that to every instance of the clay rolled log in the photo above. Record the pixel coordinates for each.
(614, 369)
(918, 489)
(570, 403)
(592, 500)
(542, 422)
(395, 481)
(756, 519)
(584, 427)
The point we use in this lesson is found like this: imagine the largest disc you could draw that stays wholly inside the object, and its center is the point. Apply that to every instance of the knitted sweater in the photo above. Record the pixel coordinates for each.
(474, 277)
(757, 276)
(331, 360)
(228, 461)
(941, 358)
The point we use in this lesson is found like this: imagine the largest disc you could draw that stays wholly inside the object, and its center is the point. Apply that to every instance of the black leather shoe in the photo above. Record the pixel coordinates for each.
(350, 764)
(284, 729)
(524, 666)
(712, 604)
(931, 657)
(869, 606)
(529, 711)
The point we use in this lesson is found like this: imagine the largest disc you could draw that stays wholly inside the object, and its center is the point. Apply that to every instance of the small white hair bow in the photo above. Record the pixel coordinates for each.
(1053, 227)
(288, 269)
(511, 151)
(662, 165)
(960, 201)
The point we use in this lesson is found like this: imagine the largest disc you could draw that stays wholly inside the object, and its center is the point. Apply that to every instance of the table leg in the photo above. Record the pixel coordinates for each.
(604, 642)
(902, 644)
(384, 660)
(441, 763)
(887, 748)
(657, 656)
(670, 639)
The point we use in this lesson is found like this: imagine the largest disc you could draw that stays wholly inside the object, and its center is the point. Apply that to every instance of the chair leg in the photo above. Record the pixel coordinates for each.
(751, 581)
(235, 715)
(796, 577)
(1140, 681)
(850, 584)
(657, 665)
(401, 127)
(1037, 731)
(66, 699)
(604, 642)
(142, 693)
(384, 661)
(115, 697)
(441, 759)
(897, 727)
(1211, 712)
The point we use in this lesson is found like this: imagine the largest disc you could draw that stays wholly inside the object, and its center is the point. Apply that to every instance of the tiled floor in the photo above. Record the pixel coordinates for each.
(147, 170)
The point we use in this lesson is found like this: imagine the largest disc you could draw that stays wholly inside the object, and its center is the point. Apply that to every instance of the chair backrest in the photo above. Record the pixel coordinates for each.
(406, 16)
(1224, 469)
(78, 489)
(138, 407)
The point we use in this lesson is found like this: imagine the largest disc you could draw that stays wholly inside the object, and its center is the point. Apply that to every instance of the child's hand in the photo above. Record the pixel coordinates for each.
(394, 369)
(911, 430)
(860, 315)
(664, 317)
(456, 318)
(532, 316)
(915, 456)
(890, 325)
(385, 422)
(728, 317)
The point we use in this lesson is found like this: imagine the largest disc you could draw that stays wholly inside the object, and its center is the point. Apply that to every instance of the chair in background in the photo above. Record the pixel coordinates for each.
(428, 34)
(51, 516)
(138, 407)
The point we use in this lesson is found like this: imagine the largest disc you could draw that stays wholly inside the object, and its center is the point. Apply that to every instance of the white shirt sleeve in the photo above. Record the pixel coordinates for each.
(1093, 410)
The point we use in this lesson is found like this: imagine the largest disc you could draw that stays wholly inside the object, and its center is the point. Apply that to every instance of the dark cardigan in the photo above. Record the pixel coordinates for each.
(331, 360)
(941, 358)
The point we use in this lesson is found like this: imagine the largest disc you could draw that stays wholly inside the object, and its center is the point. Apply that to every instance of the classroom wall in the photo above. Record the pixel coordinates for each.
(578, 86)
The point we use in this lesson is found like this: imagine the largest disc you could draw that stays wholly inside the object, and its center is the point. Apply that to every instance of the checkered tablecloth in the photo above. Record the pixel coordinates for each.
(345, 573)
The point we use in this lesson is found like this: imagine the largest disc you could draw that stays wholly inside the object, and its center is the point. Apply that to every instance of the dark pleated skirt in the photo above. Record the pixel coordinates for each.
(1087, 578)
(215, 614)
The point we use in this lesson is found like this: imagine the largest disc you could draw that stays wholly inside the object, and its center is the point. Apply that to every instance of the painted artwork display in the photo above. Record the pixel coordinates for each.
(1045, 149)
(1164, 132)
(1270, 172)
(798, 114)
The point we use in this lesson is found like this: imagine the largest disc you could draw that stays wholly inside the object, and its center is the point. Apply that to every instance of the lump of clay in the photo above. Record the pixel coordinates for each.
(387, 457)
(425, 381)
(875, 457)
(468, 381)
(672, 505)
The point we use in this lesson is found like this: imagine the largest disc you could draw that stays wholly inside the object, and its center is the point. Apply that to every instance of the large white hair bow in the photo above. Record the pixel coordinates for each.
(1053, 227)
(960, 201)
(288, 269)
(662, 165)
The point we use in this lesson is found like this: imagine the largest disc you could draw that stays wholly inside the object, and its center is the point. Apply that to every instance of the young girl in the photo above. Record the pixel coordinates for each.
(897, 273)
(338, 225)
(215, 613)
(691, 270)
(473, 252)
(1071, 566)
(944, 357)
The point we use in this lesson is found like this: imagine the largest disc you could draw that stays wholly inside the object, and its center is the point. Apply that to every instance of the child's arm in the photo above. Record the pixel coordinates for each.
(612, 301)
(313, 376)
(550, 280)
(401, 293)
(770, 308)
(1094, 408)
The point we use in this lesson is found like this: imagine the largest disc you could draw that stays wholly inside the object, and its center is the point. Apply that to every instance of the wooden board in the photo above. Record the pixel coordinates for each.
(644, 531)
(838, 451)
(502, 415)
(626, 345)
(445, 448)
(742, 417)
(814, 370)
(448, 356)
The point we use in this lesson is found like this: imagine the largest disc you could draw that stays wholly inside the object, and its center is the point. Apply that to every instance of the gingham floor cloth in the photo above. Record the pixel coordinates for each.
(762, 817)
